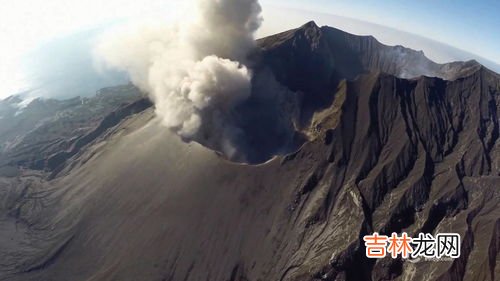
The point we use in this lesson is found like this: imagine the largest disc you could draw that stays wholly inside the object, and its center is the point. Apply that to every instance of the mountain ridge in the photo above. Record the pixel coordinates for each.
(361, 44)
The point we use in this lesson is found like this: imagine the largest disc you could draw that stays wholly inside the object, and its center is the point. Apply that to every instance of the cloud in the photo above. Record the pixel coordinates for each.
(194, 70)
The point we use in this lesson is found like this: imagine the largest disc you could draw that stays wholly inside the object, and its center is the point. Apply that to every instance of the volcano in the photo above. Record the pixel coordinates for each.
(385, 141)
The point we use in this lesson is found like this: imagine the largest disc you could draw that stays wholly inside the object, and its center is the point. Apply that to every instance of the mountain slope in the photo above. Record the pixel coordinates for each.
(387, 154)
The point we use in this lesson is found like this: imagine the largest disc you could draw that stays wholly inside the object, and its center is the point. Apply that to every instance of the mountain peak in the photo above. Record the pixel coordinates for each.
(311, 32)
(310, 24)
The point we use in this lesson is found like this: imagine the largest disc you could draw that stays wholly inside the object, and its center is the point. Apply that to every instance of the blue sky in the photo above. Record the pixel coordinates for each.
(473, 26)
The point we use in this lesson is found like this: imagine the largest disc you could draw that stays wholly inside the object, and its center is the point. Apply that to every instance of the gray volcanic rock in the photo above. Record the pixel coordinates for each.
(385, 154)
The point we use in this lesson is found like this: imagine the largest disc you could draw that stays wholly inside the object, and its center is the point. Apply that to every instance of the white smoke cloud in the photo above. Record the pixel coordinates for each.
(194, 70)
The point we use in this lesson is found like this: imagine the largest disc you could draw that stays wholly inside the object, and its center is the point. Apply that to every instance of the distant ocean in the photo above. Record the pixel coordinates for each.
(61, 68)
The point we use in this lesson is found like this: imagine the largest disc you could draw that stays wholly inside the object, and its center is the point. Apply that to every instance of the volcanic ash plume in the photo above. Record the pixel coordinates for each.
(194, 70)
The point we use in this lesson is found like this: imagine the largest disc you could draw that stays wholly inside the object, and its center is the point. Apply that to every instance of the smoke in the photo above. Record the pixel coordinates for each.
(194, 70)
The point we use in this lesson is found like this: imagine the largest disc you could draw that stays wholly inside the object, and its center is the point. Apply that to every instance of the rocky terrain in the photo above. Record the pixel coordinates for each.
(34, 134)
(394, 143)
